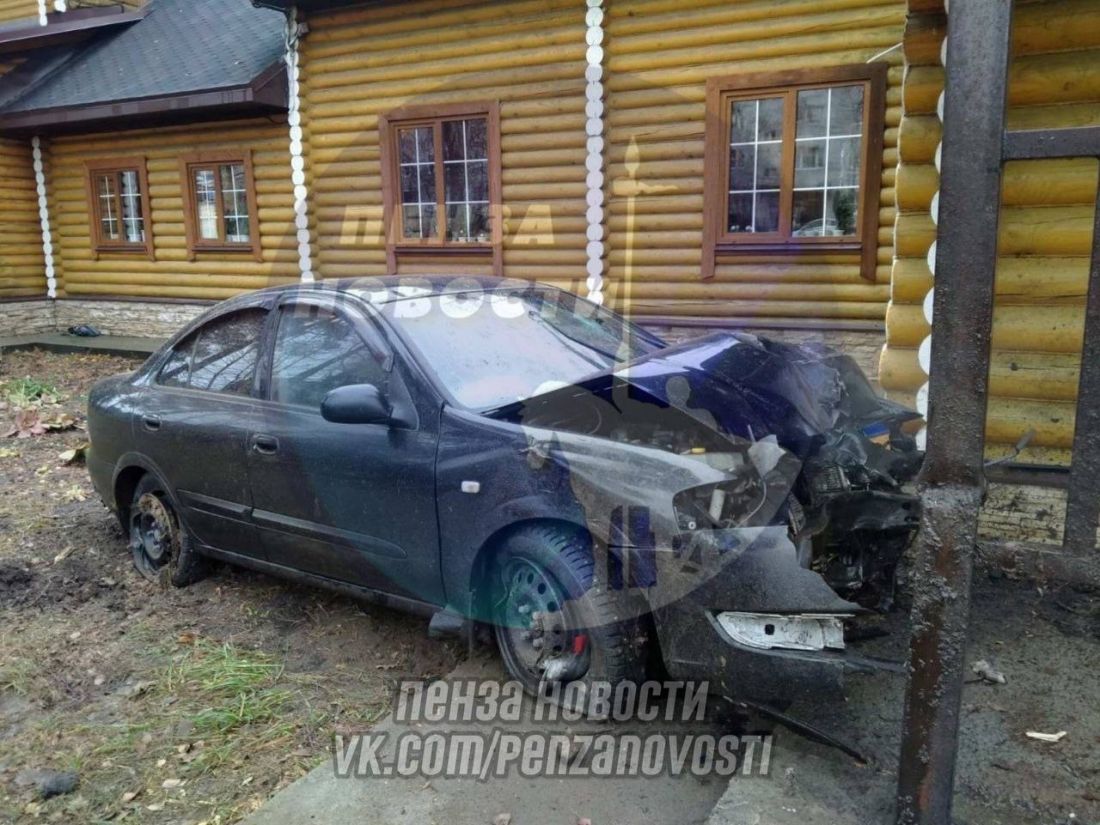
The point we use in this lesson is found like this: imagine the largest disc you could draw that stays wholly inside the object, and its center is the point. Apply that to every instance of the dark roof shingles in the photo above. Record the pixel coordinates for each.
(181, 46)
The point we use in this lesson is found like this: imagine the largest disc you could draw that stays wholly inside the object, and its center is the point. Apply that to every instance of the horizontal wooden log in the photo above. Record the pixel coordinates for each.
(1050, 182)
(915, 185)
(1021, 281)
(864, 30)
(1051, 230)
(1034, 375)
(922, 88)
(1047, 27)
(1056, 116)
(766, 309)
(680, 35)
(1027, 328)
(918, 137)
(390, 25)
(156, 291)
(782, 58)
(1064, 77)
(924, 33)
(914, 234)
(700, 291)
(1009, 419)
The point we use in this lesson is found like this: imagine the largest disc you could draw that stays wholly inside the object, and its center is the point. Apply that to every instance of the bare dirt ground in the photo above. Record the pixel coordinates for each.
(196, 705)
(181, 706)
(1043, 639)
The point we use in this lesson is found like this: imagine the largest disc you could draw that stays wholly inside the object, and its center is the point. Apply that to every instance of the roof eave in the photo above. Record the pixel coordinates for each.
(266, 94)
(69, 28)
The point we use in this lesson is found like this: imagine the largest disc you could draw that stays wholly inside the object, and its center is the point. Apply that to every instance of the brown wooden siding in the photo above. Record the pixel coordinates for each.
(528, 55)
(11, 10)
(1046, 223)
(213, 275)
(659, 56)
(22, 270)
(21, 264)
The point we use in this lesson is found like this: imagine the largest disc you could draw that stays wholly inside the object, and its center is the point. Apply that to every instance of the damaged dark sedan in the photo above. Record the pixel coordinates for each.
(508, 455)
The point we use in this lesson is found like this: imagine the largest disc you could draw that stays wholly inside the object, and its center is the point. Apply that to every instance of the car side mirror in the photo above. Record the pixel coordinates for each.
(356, 404)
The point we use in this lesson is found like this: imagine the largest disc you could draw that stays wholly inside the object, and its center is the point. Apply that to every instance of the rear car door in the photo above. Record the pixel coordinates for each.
(194, 422)
(351, 502)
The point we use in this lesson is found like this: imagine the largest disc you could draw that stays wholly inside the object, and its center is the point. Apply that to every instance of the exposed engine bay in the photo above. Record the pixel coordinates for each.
(850, 453)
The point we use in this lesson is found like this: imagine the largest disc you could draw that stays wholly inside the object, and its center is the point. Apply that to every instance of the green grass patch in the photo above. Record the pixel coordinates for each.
(19, 676)
(29, 392)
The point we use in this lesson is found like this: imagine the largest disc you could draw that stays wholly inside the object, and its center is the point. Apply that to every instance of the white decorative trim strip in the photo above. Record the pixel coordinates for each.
(44, 216)
(297, 154)
(924, 352)
(594, 161)
(43, 9)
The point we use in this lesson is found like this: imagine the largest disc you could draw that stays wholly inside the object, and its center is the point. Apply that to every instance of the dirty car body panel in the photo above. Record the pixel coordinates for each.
(746, 494)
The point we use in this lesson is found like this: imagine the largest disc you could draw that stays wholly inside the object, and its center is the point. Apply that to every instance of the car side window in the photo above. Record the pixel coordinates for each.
(317, 350)
(220, 357)
(176, 371)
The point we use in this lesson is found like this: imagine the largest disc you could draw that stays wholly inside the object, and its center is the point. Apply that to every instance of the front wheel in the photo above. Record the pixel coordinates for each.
(160, 544)
(554, 620)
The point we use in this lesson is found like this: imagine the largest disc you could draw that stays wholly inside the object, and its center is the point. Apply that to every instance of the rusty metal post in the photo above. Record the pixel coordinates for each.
(952, 477)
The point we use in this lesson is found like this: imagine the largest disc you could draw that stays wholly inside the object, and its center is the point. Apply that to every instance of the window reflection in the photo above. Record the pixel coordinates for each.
(317, 351)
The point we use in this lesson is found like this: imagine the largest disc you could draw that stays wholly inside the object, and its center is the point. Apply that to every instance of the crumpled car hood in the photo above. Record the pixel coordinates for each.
(750, 387)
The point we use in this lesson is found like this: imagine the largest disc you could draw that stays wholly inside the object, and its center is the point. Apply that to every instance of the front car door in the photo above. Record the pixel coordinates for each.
(351, 502)
(194, 422)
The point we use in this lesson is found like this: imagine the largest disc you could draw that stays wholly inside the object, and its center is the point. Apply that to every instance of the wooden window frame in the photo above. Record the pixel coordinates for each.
(96, 168)
(196, 244)
(721, 91)
(412, 116)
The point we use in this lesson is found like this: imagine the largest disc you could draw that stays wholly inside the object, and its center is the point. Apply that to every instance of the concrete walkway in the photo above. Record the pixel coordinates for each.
(320, 798)
(1046, 643)
(64, 342)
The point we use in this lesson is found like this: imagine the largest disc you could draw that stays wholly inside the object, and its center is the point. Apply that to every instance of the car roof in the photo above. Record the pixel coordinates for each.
(416, 286)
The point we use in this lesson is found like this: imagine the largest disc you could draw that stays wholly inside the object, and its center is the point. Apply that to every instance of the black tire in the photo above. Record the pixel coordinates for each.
(160, 544)
(614, 650)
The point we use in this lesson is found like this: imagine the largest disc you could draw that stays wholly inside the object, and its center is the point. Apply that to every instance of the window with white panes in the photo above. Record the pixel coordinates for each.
(221, 204)
(794, 160)
(444, 170)
(119, 206)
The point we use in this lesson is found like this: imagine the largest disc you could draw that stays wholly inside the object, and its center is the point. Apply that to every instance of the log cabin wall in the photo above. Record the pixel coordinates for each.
(1045, 224)
(13, 10)
(660, 53)
(171, 273)
(22, 272)
(360, 64)
(21, 261)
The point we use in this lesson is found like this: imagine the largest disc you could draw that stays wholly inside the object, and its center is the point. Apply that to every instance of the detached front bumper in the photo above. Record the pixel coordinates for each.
(751, 620)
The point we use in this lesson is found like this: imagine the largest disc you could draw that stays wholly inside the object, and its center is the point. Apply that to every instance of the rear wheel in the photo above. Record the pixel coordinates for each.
(554, 620)
(160, 544)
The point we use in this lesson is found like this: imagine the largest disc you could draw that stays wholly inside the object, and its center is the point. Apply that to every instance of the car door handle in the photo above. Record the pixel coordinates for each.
(150, 422)
(265, 444)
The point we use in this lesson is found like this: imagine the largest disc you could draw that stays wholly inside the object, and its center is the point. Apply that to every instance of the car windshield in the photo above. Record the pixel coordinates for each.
(490, 349)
